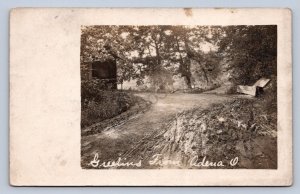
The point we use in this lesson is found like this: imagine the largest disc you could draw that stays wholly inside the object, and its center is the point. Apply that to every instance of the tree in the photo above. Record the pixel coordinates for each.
(159, 52)
(153, 51)
(184, 47)
(250, 50)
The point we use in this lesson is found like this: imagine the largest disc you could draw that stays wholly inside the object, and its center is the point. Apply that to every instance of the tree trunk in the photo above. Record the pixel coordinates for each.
(188, 64)
(188, 82)
(184, 67)
(205, 75)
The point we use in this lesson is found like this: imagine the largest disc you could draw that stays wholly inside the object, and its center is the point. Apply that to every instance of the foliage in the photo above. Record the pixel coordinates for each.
(144, 50)
(98, 105)
(245, 53)
(250, 50)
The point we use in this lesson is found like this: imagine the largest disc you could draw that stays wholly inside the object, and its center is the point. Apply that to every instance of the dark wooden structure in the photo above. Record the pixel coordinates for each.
(105, 71)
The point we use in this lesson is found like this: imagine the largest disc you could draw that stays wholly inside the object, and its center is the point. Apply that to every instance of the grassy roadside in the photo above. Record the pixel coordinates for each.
(138, 106)
(100, 105)
(106, 105)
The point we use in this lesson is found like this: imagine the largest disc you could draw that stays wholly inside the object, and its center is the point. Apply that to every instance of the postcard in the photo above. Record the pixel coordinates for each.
(150, 97)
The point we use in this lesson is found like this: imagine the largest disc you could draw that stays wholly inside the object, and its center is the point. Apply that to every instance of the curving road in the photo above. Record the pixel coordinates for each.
(115, 142)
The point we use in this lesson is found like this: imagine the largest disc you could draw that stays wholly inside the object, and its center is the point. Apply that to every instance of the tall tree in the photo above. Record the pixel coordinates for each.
(250, 50)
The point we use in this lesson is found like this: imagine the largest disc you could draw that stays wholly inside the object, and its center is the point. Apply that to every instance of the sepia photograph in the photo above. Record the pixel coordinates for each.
(178, 96)
(151, 97)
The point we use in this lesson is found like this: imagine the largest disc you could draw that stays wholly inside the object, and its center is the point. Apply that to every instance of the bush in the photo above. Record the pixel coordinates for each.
(98, 104)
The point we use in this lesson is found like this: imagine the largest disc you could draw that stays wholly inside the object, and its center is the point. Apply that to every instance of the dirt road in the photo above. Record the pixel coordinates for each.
(118, 141)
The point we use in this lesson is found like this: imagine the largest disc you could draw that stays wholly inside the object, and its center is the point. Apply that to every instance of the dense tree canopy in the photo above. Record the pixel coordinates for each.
(251, 51)
(159, 52)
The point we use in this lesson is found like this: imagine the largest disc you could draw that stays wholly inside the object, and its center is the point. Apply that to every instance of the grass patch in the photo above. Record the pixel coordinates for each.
(98, 104)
